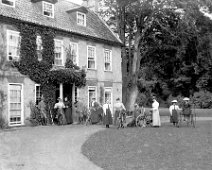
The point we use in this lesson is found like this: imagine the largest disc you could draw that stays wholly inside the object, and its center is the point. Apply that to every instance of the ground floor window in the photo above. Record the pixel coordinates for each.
(15, 104)
(37, 94)
(108, 95)
(92, 93)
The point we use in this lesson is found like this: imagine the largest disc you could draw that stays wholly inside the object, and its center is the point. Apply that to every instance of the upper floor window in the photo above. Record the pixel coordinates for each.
(81, 19)
(108, 60)
(48, 9)
(91, 53)
(8, 2)
(13, 45)
(74, 52)
(58, 58)
(39, 48)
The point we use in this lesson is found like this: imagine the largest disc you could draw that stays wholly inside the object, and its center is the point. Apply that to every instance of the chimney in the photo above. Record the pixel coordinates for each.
(91, 4)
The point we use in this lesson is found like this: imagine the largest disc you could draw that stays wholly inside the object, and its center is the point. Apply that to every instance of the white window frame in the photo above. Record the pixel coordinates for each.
(15, 33)
(22, 104)
(77, 52)
(111, 91)
(12, 1)
(110, 54)
(84, 21)
(62, 52)
(89, 46)
(91, 88)
(36, 85)
(39, 37)
(43, 5)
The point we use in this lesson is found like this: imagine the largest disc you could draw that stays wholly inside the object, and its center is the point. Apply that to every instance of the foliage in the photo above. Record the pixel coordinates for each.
(168, 45)
(2, 119)
(42, 72)
(202, 99)
(35, 115)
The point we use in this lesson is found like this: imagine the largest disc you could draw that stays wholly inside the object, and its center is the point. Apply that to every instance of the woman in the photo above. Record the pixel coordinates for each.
(60, 112)
(107, 117)
(155, 113)
(68, 111)
(173, 110)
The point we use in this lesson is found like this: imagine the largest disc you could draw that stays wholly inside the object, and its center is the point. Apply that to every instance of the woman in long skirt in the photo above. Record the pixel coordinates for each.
(107, 116)
(68, 111)
(155, 113)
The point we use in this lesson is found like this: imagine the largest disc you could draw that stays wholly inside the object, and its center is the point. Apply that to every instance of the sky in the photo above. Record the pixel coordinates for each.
(76, 1)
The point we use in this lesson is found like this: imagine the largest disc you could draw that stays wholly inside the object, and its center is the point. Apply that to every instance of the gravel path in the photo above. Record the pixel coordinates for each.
(45, 148)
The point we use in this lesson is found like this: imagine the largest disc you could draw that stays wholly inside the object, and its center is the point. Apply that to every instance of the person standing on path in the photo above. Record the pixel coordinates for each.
(118, 107)
(42, 108)
(155, 113)
(107, 116)
(68, 110)
(60, 111)
(174, 111)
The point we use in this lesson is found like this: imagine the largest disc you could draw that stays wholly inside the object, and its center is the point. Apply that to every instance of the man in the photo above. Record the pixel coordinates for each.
(118, 107)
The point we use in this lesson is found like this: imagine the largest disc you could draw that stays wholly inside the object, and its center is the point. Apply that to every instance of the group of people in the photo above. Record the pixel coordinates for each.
(97, 113)
(174, 111)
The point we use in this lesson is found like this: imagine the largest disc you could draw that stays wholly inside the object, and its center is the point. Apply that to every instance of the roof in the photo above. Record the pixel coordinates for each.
(64, 20)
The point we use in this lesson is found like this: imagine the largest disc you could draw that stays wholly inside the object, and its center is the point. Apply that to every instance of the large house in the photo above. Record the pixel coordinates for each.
(93, 45)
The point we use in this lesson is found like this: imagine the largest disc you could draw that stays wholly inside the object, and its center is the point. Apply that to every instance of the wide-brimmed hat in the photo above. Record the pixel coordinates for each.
(186, 99)
(174, 101)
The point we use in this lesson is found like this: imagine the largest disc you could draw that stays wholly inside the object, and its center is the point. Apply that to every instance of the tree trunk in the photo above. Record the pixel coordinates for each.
(135, 65)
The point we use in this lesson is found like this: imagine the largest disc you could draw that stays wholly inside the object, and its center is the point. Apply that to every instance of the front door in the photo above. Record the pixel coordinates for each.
(15, 104)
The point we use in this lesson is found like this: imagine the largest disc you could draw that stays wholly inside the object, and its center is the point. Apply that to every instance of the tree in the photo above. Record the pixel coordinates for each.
(166, 46)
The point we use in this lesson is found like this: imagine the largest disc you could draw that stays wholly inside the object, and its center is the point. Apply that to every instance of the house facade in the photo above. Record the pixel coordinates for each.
(79, 32)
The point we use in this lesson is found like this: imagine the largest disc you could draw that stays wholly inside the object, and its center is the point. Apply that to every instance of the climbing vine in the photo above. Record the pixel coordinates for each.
(42, 72)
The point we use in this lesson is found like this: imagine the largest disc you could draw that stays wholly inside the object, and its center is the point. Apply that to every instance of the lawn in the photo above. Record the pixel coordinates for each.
(164, 148)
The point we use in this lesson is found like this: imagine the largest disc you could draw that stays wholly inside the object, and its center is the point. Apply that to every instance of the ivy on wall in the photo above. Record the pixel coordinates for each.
(42, 72)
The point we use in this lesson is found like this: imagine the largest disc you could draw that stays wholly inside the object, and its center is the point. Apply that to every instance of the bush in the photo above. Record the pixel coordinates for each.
(35, 115)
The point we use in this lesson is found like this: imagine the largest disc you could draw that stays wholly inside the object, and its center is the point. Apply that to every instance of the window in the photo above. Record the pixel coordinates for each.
(108, 95)
(91, 53)
(13, 44)
(108, 60)
(81, 19)
(91, 94)
(8, 2)
(39, 48)
(38, 94)
(15, 104)
(58, 60)
(74, 52)
(48, 9)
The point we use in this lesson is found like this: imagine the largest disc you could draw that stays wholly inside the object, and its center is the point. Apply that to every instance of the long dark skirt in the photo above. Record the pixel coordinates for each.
(68, 115)
(107, 118)
(174, 117)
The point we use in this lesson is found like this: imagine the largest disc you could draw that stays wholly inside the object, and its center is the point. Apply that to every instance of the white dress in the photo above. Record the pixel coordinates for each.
(155, 114)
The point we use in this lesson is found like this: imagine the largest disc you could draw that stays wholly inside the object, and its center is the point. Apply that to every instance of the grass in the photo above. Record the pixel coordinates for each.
(164, 148)
(199, 112)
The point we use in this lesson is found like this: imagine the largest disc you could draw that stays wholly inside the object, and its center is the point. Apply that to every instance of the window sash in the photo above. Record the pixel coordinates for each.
(58, 58)
(8, 2)
(39, 48)
(38, 94)
(108, 60)
(74, 52)
(13, 45)
(48, 9)
(81, 19)
(91, 57)
(91, 94)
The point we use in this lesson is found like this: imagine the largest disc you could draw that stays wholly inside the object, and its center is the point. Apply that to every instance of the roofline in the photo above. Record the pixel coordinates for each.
(64, 30)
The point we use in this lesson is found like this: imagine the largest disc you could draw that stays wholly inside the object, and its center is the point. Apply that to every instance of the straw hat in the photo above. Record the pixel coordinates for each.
(186, 99)
(174, 101)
